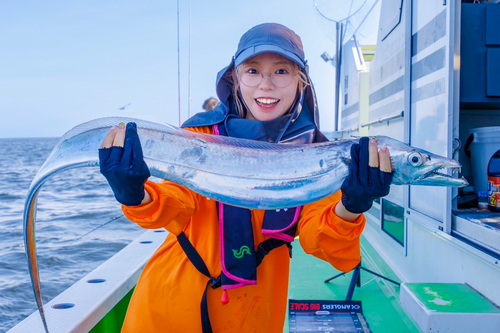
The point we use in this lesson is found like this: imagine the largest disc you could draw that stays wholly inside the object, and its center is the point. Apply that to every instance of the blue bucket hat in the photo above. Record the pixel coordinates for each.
(270, 37)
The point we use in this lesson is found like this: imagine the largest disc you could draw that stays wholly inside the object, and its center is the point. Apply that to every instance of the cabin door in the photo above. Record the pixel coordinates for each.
(429, 99)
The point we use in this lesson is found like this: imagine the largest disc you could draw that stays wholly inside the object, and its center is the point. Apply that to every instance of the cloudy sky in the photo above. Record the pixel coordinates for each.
(67, 62)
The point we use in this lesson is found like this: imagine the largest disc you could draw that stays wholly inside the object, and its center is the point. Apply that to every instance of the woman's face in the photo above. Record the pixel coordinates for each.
(272, 97)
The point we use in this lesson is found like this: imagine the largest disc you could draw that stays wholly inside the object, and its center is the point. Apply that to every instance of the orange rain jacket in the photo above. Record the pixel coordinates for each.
(168, 295)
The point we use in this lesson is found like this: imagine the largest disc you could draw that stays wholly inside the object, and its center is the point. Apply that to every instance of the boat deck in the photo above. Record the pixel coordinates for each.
(380, 298)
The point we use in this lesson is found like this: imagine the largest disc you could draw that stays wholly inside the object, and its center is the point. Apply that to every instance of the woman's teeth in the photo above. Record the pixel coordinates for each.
(267, 101)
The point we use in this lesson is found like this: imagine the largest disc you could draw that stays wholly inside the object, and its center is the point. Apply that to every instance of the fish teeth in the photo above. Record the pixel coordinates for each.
(267, 100)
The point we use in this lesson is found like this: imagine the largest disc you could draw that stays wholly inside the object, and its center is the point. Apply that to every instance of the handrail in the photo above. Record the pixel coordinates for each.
(382, 119)
(351, 129)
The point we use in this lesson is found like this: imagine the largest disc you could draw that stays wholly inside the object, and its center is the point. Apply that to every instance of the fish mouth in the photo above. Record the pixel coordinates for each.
(437, 178)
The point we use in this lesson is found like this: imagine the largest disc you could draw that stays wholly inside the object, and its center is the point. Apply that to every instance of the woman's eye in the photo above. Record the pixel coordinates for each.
(282, 71)
(252, 71)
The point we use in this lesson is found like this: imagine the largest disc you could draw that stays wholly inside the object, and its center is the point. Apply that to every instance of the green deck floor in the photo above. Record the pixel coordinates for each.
(380, 299)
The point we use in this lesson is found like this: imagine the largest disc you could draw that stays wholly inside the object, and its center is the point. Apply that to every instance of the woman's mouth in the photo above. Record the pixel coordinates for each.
(267, 102)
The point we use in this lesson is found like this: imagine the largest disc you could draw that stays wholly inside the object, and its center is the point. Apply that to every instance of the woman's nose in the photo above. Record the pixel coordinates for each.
(266, 82)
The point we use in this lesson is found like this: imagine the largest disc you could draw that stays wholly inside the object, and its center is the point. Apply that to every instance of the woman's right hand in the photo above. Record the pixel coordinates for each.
(370, 177)
(122, 164)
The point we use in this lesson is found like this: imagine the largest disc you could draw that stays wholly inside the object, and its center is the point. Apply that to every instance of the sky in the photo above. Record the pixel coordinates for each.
(67, 62)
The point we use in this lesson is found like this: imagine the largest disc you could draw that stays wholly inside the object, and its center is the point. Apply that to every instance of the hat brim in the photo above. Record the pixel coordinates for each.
(259, 49)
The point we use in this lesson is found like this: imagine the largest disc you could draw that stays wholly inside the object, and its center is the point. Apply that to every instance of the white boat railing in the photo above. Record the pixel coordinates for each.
(80, 307)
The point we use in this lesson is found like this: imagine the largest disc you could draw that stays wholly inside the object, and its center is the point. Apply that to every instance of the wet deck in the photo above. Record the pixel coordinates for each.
(380, 299)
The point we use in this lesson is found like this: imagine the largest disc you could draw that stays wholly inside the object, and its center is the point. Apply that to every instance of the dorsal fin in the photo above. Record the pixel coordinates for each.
(244, 143)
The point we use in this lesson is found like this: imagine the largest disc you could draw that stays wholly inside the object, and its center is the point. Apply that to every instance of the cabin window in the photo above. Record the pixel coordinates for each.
(393, 10)
(393, 221)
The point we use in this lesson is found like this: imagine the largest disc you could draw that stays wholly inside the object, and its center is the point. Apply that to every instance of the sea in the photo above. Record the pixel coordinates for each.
(79, 226)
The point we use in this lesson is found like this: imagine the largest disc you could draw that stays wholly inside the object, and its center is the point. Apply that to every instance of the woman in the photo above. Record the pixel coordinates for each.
(265, 95)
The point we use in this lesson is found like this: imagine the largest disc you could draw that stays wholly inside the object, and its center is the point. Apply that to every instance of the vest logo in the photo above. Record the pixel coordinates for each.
(243, 250)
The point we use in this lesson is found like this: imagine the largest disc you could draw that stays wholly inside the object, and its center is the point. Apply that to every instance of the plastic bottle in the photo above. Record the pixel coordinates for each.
(483, 200)
(494, 182)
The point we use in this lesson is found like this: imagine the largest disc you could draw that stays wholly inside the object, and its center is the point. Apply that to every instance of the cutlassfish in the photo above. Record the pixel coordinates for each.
(244, 173)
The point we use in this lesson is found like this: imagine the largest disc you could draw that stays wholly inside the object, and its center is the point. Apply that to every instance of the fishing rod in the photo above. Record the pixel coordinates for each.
(96, 228)
(178, 64)
(189, 63)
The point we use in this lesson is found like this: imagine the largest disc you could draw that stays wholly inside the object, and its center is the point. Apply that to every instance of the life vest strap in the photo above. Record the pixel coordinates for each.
(263, 249)
(206, 326)
(267, 246)
(193, 255)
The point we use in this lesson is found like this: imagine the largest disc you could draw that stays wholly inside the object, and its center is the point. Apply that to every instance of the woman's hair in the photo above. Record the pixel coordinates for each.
(240, 109)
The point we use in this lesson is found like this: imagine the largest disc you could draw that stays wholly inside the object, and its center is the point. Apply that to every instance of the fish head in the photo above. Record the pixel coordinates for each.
(415, 166)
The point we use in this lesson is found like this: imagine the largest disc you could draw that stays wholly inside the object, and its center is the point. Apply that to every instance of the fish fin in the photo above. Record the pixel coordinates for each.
(244, 143)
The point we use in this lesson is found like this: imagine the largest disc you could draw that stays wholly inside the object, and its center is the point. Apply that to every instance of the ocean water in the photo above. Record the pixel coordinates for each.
(79, 226)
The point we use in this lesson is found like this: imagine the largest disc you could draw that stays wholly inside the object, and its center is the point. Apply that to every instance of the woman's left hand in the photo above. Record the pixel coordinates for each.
(122, 164)
(370, 177)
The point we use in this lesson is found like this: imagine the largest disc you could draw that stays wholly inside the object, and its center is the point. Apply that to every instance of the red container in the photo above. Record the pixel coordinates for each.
(494, 182)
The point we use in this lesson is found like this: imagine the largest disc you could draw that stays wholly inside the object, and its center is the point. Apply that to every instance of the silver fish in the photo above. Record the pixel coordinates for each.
(244, 173)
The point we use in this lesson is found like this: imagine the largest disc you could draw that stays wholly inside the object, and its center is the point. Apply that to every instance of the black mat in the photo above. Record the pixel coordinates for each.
(326, 316)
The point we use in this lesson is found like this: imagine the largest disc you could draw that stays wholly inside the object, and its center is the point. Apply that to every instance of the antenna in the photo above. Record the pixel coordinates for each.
(357, 18)
(346, 21)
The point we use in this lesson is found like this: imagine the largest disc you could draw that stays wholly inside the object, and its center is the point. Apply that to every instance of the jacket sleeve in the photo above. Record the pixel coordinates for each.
(326, 236)
(171, 207)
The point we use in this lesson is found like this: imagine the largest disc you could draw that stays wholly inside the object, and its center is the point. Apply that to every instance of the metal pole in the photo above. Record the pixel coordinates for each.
(337, 79)
(340, 34)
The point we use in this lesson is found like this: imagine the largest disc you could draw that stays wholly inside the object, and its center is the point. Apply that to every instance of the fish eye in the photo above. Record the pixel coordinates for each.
(415, 159)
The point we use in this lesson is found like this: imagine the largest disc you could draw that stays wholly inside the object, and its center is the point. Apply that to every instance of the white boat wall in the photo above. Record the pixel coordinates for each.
(414, 96)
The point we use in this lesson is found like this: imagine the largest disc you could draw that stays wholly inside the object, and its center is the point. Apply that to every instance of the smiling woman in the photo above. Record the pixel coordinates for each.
(265, 95)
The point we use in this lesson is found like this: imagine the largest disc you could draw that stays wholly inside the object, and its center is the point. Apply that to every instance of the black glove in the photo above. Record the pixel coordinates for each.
(364, 183)
(125, 169)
